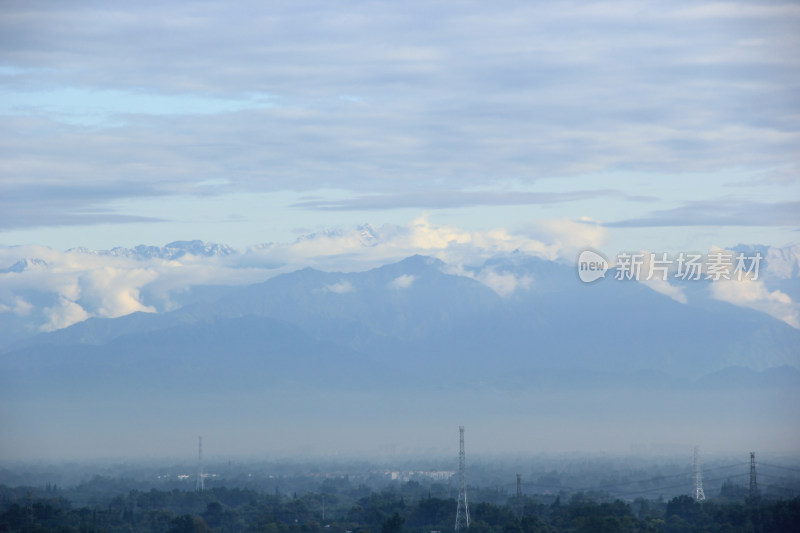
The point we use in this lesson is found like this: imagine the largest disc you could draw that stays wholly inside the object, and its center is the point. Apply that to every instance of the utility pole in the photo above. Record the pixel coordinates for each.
(462, 512)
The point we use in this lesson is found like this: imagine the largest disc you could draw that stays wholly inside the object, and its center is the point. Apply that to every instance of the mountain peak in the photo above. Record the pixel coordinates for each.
(422, 260)
(415, 264)
(173, 250)
(27, 264)
(201, 248)
(367, 235)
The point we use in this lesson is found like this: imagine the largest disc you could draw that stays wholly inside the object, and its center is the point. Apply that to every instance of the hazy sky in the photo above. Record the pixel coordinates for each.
(457, 129)
(674, 125)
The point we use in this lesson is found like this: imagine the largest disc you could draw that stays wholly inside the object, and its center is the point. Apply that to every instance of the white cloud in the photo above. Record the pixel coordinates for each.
(568, 237)
(365, 247)
(732, 286)
(609, 82)
(723, 10)
(95, 284)
(113, 292)
(755, 295)
(21, 307)
(63, 314)
(746, 288)
(85, 284)
(340, 288)
(505, 283)
(658, 281)
(665, 288)
(402, 282)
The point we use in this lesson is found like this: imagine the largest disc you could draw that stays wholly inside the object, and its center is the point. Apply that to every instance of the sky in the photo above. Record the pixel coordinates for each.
(343, 135)
(664, 125)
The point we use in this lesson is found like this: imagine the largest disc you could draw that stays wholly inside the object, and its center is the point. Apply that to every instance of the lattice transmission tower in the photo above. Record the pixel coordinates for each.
(753, 482)
(200, 484)
(462, 512)
(520, 506)
(699, 495)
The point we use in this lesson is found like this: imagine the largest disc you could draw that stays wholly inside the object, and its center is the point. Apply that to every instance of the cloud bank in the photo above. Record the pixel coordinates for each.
(72, 286)
(44, 289)
(378, 99)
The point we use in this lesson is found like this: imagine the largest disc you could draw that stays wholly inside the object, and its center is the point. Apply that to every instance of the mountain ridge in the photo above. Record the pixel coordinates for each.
(416, 311)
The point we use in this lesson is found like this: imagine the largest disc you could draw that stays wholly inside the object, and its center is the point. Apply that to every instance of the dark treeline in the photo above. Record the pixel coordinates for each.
(401, 509)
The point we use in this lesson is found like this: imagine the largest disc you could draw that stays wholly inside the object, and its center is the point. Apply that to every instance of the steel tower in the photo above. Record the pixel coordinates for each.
(200, 484)
(753, 482)
(462, 512)
(699, 495)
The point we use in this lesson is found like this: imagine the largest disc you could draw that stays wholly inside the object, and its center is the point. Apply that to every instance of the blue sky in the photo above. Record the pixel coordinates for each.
(670, 125)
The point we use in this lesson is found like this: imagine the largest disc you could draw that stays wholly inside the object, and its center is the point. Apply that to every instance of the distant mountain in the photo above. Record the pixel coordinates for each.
(780, 268)
(418, 320)
(778, 263)
(26, 264)
(391, 352)
(367, 236)
(246, 352)
(57, 289)
(173, 250)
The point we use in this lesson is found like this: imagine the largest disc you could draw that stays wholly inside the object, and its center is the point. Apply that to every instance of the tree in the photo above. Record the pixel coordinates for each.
(188, 524)
(182, 524)
(393, 524)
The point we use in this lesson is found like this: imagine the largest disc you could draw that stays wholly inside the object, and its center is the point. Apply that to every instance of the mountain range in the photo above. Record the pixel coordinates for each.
(417, 318)
(415, 329)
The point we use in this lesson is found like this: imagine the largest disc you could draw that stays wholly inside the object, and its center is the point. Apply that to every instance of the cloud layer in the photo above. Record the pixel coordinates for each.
(72, 286)
(105, 102)
(47, 289)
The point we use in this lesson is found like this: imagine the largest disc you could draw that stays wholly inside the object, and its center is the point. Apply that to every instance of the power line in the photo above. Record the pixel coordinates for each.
(631, 482)
(659, 488)
(785, 489)
(678, 486)
(762, 475)
(781, 467)
(686, 475)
